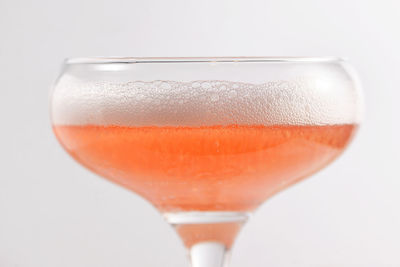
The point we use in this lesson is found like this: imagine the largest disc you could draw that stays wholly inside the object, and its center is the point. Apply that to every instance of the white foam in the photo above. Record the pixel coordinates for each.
(304, 101)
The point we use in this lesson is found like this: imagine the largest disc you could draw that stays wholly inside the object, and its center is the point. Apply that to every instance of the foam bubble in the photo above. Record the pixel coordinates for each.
(205, 85)
(232, 93)
(214, 97)
(196, 103)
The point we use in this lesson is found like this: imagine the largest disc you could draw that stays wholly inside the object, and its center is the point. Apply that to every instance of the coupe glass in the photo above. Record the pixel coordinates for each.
(206, 140)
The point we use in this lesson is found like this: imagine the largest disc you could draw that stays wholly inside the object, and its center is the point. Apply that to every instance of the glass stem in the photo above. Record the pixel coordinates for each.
(209, 254)
(208, 236)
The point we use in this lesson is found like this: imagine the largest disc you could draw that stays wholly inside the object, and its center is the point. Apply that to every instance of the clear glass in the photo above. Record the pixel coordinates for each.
(206, 140)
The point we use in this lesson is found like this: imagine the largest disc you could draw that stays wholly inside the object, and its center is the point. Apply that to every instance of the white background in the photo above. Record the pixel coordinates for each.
(55, 213)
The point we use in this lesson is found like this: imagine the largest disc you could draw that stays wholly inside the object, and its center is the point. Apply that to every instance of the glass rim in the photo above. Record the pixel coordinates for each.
(133, 60)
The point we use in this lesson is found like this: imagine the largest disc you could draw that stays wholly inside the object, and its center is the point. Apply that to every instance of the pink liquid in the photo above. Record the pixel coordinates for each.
(213, 168)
